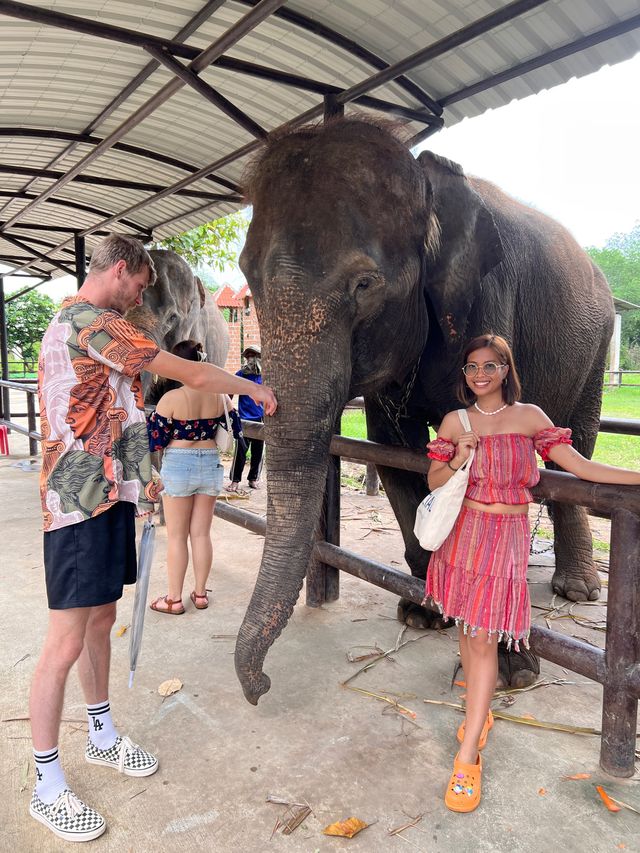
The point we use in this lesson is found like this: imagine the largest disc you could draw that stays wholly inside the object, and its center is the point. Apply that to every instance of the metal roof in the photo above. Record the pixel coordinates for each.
(140, 117)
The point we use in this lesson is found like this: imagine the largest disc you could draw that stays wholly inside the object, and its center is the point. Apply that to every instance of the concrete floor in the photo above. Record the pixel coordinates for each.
(309, 739)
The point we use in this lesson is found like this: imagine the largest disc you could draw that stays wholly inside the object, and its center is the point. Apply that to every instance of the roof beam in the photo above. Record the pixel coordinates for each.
(584, 43)
(17, 259)
(146, 40)
(208, 9)
(455, 39)
(26, 289)
(52, 133)
(109, 182)
(355, 49)
(63, 202)
(208, 92)
(226, 41)
(20, 245)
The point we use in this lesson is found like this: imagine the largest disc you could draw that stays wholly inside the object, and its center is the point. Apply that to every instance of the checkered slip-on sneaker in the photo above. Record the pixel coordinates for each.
(68, 817)
(125, 756)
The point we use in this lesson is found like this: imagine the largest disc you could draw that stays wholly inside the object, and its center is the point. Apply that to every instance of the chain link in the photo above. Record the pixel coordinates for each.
(534, 533)
(386, 405)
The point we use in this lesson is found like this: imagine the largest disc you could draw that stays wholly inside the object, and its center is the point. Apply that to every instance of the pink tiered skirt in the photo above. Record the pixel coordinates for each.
(478, 576)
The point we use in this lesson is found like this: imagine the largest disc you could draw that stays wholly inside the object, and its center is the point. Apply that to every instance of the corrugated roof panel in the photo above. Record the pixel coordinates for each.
(59, 79)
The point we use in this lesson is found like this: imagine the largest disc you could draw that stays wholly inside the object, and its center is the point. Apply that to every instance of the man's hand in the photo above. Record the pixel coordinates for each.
(263, 394)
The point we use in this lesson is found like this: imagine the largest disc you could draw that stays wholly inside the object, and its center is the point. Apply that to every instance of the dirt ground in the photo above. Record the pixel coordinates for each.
(345, 752)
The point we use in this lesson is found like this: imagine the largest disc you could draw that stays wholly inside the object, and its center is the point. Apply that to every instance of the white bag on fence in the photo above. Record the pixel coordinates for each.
(438, 512)
(224, 434)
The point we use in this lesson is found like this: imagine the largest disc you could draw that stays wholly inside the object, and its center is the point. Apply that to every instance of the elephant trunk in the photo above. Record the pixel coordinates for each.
(298, 441)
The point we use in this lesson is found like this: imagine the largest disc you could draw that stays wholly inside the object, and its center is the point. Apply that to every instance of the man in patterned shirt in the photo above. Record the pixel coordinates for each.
(96, 476)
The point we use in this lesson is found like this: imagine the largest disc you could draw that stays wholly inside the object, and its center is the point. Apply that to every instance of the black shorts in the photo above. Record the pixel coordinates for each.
(88, 563)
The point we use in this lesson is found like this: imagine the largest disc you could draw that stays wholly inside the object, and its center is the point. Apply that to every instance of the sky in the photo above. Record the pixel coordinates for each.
(572, 151)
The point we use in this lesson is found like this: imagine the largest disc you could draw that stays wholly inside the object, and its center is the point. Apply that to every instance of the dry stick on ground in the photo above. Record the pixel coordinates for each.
(27, 718)
(525, 721)
(400, 829)
(405, 712)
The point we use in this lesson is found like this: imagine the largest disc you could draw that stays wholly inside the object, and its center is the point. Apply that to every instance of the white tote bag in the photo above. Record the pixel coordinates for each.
(437, 513)
(224, 434)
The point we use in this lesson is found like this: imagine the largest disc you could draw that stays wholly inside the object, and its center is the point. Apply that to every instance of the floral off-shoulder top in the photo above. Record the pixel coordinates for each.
(504, 468)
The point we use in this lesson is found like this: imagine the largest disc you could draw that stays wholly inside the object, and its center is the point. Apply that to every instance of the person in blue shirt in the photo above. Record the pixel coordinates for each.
(248, 411)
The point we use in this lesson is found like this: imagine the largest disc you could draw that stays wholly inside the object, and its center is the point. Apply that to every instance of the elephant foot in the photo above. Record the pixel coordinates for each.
(416, 616)
(516, 669)
(255, 686)
(577, 587)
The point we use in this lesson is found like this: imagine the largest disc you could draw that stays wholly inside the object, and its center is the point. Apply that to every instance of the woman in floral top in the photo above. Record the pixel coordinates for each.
(185, 423)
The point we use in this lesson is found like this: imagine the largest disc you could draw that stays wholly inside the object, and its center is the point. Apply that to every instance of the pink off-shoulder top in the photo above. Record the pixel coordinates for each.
(504, 468)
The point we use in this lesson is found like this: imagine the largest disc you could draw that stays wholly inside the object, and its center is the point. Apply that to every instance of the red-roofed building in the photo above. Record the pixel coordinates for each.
(240, 313)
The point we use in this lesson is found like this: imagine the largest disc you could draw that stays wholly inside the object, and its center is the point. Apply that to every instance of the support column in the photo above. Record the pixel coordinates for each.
(4, 354)
(81, 269)
(619, 707)
(332, 108)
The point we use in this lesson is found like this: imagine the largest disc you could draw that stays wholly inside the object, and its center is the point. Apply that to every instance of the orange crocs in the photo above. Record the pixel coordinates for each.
(483, 734)
(463, 791)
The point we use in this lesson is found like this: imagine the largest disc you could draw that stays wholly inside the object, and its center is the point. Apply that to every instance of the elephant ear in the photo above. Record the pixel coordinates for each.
(469, 246)
(201, 291)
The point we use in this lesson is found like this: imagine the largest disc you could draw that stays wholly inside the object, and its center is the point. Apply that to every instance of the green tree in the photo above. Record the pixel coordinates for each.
(215, 243)
(619, 260)
(27, 319)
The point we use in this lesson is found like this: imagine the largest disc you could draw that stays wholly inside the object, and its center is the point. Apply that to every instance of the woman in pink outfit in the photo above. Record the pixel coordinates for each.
(478, 576)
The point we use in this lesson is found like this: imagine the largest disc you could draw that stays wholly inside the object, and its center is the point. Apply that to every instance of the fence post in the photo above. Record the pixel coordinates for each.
(4, 354)
(372, 480)
(31, 423)
(323, 581)
(619, 709)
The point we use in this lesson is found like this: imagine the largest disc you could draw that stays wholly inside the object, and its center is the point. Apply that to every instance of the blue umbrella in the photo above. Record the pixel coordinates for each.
(145, 557)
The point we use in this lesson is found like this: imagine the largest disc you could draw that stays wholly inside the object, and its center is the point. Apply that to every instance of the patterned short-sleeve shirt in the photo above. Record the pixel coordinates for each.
(95, 450)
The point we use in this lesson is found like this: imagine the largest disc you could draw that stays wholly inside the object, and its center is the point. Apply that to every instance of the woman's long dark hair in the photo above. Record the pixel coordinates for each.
(511, 389)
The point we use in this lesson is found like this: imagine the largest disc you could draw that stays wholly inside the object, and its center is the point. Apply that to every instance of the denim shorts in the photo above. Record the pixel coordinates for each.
(190, 471)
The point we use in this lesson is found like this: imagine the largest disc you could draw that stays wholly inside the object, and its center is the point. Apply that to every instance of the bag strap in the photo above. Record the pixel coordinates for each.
(464, 419)
(226, 413)
(466, 423)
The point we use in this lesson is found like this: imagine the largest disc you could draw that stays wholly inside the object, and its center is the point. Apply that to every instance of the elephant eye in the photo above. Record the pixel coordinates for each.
(364, 282)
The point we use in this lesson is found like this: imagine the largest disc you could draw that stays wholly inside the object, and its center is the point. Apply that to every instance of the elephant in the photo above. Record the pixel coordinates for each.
(176, 308)
(370, 270)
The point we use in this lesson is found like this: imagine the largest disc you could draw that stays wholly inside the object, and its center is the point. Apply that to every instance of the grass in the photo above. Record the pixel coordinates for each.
(622, 450)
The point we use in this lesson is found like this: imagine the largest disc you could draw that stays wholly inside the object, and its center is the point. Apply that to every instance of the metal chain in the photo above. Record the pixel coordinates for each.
(401, 409)
(534, 533)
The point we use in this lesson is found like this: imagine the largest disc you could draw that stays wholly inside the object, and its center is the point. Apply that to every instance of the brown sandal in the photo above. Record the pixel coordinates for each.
(194, 595)
(172, 606)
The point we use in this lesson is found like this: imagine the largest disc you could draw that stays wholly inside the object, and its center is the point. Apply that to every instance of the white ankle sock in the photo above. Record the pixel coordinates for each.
(102, 732)
(50, 781)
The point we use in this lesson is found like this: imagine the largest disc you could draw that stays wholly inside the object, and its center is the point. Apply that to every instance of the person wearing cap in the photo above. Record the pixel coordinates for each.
(248, 411)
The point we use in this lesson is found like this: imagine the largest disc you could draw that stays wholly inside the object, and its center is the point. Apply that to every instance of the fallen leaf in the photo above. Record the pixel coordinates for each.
(542, 791)
(577, 776)
(121, 630)
(460, 683)
(606, 799)
(345, 828)
(169, 687)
